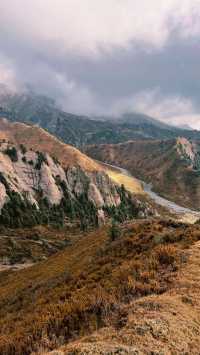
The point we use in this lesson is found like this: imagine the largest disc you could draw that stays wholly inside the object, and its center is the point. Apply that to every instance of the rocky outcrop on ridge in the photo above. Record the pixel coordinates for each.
(42, 182)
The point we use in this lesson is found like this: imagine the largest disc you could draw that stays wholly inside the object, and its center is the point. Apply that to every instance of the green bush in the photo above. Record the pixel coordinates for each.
(114, 231)
(12, 153)
(40, 160)
(23, 149)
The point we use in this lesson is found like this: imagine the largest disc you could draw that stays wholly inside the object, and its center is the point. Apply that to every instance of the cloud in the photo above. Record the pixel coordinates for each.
(91, 27)
(174, 110)
(189, 121)
(76, 98)
(7, 75)
(162, 107)
(108, 56)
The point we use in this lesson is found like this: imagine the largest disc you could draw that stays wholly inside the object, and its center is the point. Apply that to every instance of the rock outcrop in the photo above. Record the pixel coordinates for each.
(24, 176)
(45, 183)
(189, 151)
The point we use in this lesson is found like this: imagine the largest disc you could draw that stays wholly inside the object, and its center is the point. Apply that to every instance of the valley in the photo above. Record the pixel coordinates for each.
(93, 260)
(122, 176)
(171, 166)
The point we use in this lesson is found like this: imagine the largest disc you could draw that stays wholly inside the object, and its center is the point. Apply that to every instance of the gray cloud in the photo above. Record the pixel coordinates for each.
(106, 57)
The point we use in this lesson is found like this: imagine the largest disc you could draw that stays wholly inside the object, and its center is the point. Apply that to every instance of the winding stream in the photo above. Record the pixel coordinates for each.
(190, 215)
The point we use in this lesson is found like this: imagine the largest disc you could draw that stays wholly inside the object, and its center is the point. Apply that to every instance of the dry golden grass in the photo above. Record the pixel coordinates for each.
(130, 183)
(38, 139)
(165, 254)
(83, 288)
(156, 324)
(28, 245)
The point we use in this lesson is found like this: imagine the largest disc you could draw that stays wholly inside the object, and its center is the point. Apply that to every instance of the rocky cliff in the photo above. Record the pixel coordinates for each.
(36, 188)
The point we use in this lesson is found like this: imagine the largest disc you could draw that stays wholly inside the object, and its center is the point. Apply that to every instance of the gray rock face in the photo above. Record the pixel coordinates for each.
(106, 188)
(27, 176)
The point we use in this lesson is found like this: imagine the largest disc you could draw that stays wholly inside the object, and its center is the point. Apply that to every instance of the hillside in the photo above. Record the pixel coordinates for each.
(155, 324)
(172, 166)
(125, 295)
(44, 181)
(36, 138)
(80, 130)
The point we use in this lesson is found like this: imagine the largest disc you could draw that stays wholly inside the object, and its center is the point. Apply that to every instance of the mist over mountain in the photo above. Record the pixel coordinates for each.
(82, 130)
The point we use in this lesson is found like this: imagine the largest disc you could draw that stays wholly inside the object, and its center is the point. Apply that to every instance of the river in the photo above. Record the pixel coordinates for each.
(183, 213)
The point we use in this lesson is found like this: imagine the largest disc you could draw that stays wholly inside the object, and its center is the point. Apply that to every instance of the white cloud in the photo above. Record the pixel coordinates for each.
(189, 120)
(174, 110)
(37, 35)
(75, 97)
(163, 107)
(186, 18)
(91, 26)
(7, 75)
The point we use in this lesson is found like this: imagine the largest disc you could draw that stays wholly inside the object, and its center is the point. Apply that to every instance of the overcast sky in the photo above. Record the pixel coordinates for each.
(106, 56)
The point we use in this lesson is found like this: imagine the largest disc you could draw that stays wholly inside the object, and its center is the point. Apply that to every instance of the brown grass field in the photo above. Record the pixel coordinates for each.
(87, 286)
(130, 183)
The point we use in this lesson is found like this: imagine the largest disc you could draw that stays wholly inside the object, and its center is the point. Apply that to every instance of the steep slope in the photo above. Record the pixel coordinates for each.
(129, 290)
(36, 138)
(38, 188)
(172, 166)
(81, 130)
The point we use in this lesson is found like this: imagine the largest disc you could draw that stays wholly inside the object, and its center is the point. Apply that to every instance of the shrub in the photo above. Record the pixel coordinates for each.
(56, 161)
(165, 254)
(12, 153)
(114, 231)
(23, 149)
(40, 160)
(4, 181)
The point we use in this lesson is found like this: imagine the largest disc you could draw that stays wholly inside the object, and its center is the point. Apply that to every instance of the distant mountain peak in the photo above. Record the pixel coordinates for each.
(80, 130)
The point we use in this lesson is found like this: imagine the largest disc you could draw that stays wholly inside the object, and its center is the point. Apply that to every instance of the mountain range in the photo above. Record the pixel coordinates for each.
(152, 155)
(81, 130)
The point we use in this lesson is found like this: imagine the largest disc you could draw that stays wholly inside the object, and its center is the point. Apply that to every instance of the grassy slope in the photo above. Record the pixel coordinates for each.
(86, 286)
(22, 246)
(39, 139)
(156, 324)
(130, 183)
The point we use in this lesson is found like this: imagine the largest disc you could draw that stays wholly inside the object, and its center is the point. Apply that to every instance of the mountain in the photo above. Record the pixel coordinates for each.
(80, 130)
(44, 181)
(139, 118)
(34, 137)
(86, 266)
(172, 166)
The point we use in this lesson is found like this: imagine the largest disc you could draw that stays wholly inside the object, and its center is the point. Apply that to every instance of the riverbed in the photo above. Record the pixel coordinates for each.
(182, 213)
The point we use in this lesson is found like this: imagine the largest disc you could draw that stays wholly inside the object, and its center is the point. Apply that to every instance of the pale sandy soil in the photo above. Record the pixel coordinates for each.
(14, 267)
(189, 218)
